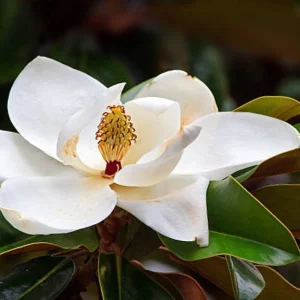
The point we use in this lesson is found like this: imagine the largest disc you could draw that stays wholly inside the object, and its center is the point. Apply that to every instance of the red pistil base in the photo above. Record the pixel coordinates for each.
(112, 168)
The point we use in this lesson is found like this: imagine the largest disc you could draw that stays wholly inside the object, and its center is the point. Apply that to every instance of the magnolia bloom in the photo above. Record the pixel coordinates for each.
(80, 151)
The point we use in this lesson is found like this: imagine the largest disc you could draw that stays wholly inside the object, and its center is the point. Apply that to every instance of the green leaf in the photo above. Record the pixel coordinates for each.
(216, 271)
(224, 244)
(142, 243)
(133, 282)
(17, 38)
(16, 241)
(239, 226)
(283, 108)
(43, 278)
(130, 94)
(297, 126)
(287, 162)
(107, 275)
(233, 210)
(283, 201)
(246, 279)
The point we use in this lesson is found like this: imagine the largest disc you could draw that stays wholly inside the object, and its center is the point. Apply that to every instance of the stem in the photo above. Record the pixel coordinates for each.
(108, 231)
(119, 275)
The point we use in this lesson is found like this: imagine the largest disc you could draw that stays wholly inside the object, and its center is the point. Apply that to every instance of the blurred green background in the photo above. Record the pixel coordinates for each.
(241, 49)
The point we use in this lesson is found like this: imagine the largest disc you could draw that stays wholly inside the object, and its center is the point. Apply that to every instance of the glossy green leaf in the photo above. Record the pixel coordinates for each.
(43, 278)
(246, 280)
(107, 275)
(283, 108)
(283, 201)
(130, 94)
(225, 244)
(239, 226)
(124, 281)
(17, 38)
(229, 206)
(286, 162)
(216, 271)
(12, 240)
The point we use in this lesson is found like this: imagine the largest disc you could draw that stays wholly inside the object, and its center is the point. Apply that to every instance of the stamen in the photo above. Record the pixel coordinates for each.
(115, 134)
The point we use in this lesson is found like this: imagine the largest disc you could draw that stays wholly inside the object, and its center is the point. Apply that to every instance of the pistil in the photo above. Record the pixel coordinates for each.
(115, 134)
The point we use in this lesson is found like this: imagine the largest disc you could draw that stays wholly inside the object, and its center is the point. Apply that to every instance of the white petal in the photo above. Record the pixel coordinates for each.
(88, 146)
(175, 207)
(156, 121)
(231, 141)
(19, 158)
(27, 224)
(68, 140)
(76, 144)
(152, 172)
(44, 96)
(44, 205)
(193, 95)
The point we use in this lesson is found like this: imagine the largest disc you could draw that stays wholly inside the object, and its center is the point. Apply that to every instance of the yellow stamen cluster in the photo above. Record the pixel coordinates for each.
(115, 134)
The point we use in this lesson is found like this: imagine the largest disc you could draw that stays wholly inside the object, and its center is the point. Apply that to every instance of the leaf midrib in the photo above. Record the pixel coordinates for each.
(47, 275)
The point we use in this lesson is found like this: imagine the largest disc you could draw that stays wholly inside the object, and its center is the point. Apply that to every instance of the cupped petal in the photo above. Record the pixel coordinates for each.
(45, 205)
(44, 96)
(231, 141)
(175, 207)
(156, 170)
(156, 120)
(77, 145)
(154, 126)
(68, 139)
(194, 97)
(88, 145)
(19, 158)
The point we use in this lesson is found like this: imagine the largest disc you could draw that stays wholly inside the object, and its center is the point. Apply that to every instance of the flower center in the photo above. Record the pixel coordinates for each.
(115, 134)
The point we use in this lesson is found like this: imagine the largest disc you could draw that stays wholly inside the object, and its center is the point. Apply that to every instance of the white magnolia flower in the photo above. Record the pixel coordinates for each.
(81, 152)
